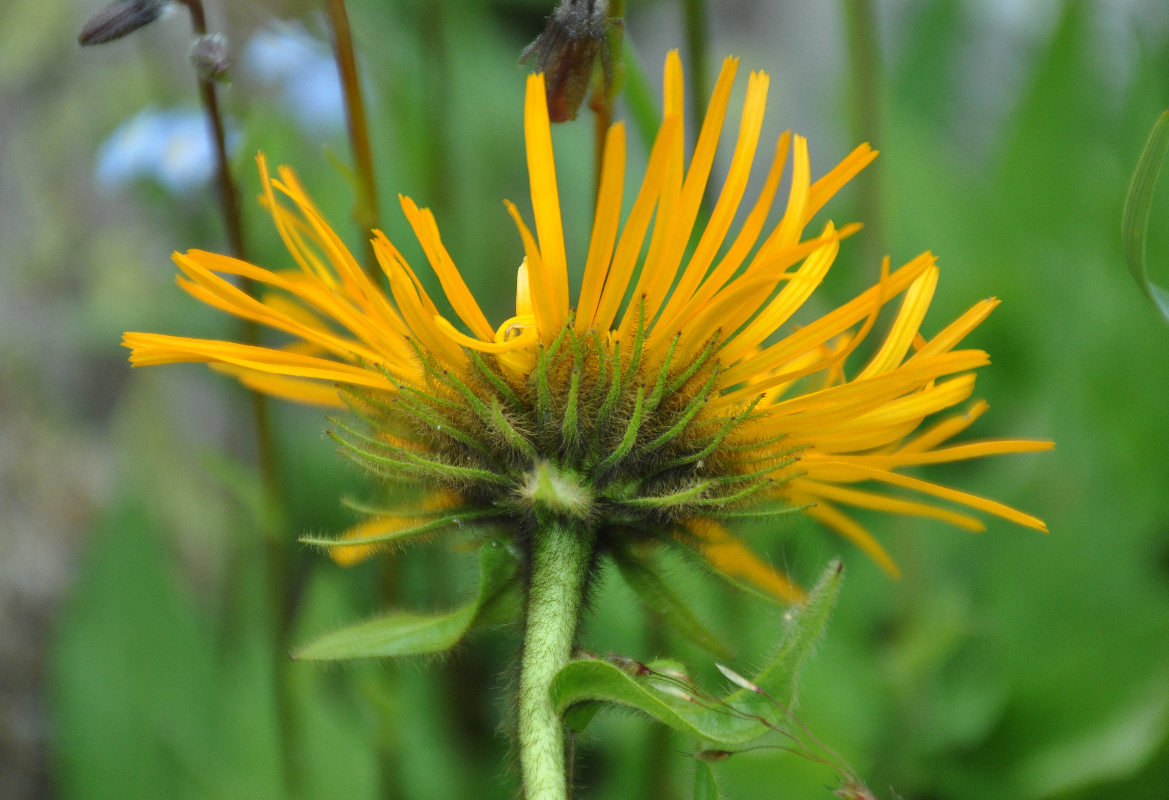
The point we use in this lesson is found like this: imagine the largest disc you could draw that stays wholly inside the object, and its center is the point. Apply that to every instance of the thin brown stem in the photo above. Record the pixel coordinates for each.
(365, 204)
(277, 549)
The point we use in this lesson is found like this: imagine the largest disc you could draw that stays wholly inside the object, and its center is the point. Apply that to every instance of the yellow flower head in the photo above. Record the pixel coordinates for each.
(677, 390)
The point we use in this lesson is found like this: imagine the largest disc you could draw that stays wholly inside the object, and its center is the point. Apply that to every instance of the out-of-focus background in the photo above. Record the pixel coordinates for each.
(135, 633)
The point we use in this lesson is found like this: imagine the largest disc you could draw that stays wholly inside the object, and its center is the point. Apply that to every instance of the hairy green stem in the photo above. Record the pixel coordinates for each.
(560, 561)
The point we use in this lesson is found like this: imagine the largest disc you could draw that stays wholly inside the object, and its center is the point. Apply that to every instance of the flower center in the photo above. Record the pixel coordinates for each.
(594, 428)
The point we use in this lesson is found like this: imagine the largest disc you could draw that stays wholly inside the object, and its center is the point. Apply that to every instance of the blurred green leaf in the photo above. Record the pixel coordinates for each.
(639, 98)
(645, 578)
(1138, 202)
(1116, 747)
(705, 787)
(142, 705)
(408, 634)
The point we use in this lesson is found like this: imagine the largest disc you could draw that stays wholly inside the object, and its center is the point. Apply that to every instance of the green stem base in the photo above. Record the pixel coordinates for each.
(560, 560)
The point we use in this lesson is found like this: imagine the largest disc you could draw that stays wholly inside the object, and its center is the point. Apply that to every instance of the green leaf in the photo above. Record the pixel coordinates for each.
(408, 634)
(1134, 227)
(731, 720)
(594, 680)
(803, 629)
(705, 787)
(643, 577)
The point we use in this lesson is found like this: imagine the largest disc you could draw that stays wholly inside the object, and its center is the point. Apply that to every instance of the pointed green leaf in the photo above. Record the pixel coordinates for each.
(705, 787)
(804, 626)
(643, 577)
(731, 720)
(407, 634)
(1135, 223)
(594, 680)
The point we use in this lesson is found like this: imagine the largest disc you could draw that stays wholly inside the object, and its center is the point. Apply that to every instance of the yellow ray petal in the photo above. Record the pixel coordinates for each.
(681, 222)
(850, 529)
(633, 234)
(957, 330)
(731, 557)
(148, 349)
(833, 323)
(545, 201)
(953, 495)
(823, 189)
(794, 217)
(880, 502)
(462, 301)
(605, 223)
(297, 390)
(727, 205)
(905, 327)
(749, 232)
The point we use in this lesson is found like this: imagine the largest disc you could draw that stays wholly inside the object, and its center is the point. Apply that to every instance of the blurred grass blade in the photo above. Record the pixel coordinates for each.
(705, 787)
(639, 97)
(405, 633)
(645, 578)
(1135, 225)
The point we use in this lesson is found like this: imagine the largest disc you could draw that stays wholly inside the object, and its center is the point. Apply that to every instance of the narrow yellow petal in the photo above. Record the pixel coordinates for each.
(681, 223)
(905, 327)
(880, 502)
(795, 216)
(823, 189)
(633, 234)
(852, 530)
(749, 232)
(727, 205)
(545, 200)
(957, 330)
(285, 388)
(731, 557)
(953, 495)
(605, 224)
(540, 290)
(148, 349)
(833, 323)
(791, 298)
(526, 338)
(462, 301)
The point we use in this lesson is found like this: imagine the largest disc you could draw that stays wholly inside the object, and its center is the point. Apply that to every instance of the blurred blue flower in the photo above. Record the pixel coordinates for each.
(302, 72)
(171, 146)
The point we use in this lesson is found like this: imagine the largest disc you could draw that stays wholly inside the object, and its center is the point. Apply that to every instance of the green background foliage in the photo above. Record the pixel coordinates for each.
(145, 645)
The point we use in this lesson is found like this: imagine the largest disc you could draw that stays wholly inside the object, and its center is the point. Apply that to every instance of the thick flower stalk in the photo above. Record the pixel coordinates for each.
(684, 383)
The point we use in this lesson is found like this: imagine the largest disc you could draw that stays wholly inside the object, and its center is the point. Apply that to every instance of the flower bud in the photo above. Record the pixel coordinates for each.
(119, 19)
(565, 52)
(210, 57)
